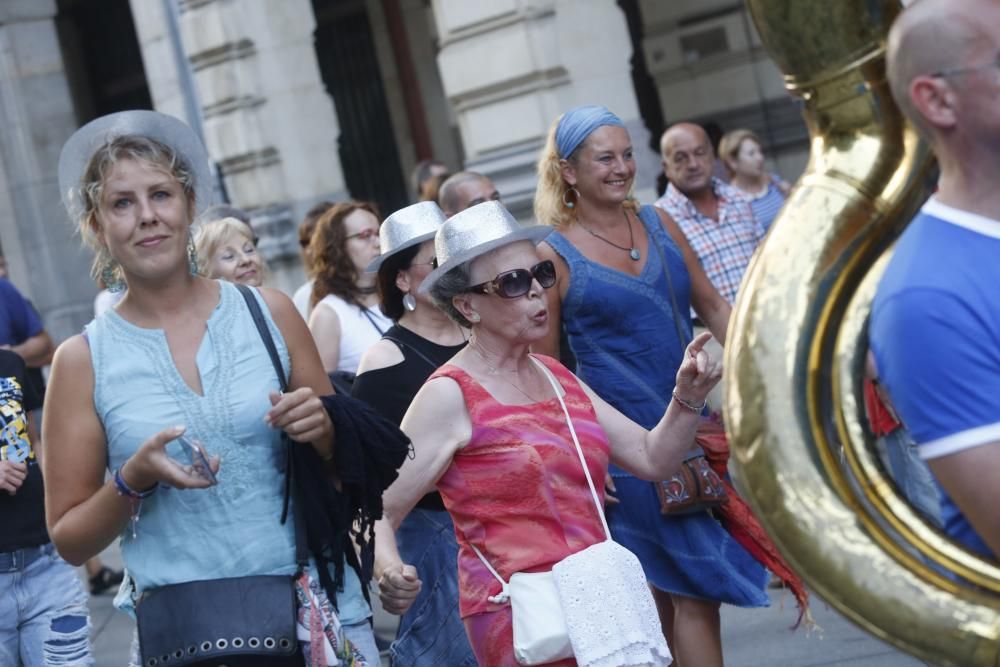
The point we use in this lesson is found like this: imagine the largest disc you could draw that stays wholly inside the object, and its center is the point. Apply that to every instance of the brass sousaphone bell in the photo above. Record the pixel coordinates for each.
(797, 343)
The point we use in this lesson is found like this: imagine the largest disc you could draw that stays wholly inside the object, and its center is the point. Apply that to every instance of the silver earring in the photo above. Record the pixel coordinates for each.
(409, 302)
(192, 257)
(569, 203)
(474, 317)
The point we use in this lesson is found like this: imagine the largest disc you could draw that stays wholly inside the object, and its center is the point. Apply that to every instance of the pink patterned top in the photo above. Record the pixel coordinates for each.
(517, 489)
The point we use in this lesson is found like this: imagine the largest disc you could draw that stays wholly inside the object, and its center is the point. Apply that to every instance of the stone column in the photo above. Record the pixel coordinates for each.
(46, 261)
(267, 120)
(510, 67)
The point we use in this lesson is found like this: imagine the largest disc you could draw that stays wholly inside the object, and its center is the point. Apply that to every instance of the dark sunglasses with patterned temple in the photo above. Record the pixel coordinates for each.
(515, 283)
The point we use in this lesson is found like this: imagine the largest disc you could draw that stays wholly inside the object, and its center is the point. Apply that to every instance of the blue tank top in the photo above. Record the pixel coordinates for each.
(621, 327)
(234, 528)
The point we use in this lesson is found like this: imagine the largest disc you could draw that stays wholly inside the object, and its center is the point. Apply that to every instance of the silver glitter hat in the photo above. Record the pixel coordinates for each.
(80, 148)
(406, 228)
(476, 231)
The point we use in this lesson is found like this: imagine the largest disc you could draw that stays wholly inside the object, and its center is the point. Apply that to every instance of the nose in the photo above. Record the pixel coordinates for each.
(146, 213)
(536, 290)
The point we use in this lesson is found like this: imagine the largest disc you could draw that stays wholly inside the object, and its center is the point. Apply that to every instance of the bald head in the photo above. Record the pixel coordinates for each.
(465, 189)
(680, 132)
(688, 158)
(933, 36)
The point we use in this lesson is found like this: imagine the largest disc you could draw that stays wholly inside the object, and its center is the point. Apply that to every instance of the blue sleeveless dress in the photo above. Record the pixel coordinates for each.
(231, 529)
(622, 331)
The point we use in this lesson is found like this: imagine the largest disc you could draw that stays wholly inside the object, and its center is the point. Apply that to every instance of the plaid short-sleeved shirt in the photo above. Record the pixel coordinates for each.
(724, 246)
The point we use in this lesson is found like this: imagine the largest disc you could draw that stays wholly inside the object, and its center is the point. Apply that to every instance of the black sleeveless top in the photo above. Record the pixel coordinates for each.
(390, 390)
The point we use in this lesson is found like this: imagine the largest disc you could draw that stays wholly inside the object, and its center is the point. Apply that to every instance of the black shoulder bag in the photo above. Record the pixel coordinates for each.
(240, 622)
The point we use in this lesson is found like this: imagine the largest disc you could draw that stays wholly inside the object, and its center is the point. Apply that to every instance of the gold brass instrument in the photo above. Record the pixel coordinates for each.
(796, 346)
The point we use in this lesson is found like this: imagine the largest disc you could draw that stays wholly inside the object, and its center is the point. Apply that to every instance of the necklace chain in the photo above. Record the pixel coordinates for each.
(496, 372)
(632, 251)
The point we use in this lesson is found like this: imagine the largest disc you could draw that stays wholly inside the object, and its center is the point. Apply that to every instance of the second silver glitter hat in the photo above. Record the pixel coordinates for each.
(474, 232)
(406, 228)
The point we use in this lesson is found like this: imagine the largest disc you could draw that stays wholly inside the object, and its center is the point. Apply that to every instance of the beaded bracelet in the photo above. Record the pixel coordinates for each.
(690, 406)
(135, 498)
(125, 490)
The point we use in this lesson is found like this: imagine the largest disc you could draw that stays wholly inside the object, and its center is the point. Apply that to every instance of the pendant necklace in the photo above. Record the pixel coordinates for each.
(632, 251)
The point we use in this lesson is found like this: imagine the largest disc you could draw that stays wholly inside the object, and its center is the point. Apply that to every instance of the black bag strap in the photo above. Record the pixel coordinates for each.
(404, 346)
(301, 552)
(371, 319)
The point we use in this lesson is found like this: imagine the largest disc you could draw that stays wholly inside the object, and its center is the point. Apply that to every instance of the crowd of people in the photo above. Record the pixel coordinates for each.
(477, 419)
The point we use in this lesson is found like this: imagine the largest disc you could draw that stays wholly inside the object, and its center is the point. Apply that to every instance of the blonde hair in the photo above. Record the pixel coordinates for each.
(142, 149)
(553, 191)
(729, 146)
(213, 235)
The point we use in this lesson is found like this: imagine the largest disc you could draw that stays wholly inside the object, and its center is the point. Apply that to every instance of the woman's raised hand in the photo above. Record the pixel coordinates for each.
(698, 372)
(398, 587)
(151, 465)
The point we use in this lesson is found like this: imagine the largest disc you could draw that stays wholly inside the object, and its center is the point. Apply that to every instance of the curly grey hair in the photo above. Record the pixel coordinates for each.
(451, 284)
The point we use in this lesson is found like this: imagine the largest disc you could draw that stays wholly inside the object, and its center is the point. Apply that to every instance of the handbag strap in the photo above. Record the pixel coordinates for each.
(301, 550)
(371, 319)
(504, 595)
(403, 346)
(576, 441)
(670, 290)
(265, 334)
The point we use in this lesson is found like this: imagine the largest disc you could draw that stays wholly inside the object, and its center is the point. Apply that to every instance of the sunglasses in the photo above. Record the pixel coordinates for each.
(512, 284)
(364, 235)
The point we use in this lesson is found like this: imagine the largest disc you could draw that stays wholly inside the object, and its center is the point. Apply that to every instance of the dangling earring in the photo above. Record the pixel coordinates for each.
(192, 257)
(111, 276)
(567, 202)
(409, 302)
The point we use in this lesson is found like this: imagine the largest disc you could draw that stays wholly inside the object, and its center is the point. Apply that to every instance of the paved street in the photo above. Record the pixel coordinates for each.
(751, 637)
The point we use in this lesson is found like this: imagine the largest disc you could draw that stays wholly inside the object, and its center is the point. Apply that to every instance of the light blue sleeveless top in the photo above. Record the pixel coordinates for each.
(234, 528)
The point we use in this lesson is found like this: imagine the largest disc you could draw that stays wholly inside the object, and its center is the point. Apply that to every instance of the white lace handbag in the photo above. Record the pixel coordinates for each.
(538, 612)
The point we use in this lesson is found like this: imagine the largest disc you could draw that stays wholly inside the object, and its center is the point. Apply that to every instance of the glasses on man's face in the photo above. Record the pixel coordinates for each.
(365, 235)
(956, 71)
(512, 284)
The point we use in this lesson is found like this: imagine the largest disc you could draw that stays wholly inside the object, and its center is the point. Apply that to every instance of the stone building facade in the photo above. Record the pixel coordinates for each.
(300, 101)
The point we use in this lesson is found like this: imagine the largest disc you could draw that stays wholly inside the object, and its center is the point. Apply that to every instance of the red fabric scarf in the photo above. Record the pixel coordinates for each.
(739, 520)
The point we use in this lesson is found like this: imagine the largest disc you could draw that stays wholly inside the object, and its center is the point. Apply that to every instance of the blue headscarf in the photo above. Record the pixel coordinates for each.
(577, 124)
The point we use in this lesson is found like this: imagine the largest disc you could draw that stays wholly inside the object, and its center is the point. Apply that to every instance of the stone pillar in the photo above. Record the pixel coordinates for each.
(510, 67)
(44, 256)
(267, 120)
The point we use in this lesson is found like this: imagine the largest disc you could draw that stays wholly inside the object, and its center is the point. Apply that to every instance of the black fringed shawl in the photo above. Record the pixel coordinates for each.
(368, 450)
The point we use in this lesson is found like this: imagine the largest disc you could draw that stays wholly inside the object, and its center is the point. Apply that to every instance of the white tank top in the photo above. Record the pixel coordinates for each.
(360, 328)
